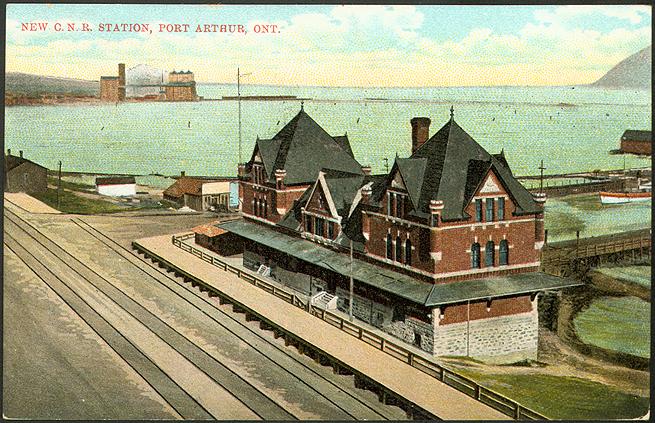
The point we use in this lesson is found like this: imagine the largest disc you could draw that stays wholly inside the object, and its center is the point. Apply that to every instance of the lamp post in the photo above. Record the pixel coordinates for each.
(59, 185)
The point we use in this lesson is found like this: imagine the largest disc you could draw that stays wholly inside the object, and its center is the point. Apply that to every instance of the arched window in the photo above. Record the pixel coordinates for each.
(389, 247)
(475, 256)
(408, 252)
(399, 250)
(489, 254)
(503, 258)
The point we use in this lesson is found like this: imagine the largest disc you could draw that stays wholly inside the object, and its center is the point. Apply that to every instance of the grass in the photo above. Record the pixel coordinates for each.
(73, 186)
(71, 203)
(586, 202)
(637, 274)
(559, 223)
(564, 397)
(616, 323)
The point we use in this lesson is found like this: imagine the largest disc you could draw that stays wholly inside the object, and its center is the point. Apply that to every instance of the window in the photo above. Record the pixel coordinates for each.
(501, 208)
(399, 250)
(475, 256)
(400, 205)
(489, 215)
(408, 252)
(489, 254)
(319, 227)
(434, 220)
(478, 210)
(389, 247)
(264, 209)
(503, 253)
(331, 230)
(308, 224)
(389, 197)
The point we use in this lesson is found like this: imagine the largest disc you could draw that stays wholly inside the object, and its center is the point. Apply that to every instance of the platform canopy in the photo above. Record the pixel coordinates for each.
(396, 283)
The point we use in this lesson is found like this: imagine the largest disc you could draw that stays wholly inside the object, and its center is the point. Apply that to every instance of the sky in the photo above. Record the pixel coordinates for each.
(335, 45)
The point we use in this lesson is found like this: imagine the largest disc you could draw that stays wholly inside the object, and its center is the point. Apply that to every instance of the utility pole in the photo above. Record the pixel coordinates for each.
(59, 185)
(239, 101)
(350, 302)
(386, 164)
(541, 178)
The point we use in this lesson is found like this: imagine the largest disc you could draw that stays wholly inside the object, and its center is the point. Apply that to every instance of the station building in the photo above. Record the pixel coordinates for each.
(445, 247)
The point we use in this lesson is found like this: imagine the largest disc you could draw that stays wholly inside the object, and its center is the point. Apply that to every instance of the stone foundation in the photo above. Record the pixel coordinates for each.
(503, 339)
(413, 331)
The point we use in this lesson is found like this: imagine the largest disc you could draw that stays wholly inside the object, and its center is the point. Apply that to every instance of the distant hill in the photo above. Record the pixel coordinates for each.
(25, 84)
(632, 72)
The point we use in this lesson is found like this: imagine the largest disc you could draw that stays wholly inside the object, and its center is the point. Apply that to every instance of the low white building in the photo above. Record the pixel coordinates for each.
(116, 186)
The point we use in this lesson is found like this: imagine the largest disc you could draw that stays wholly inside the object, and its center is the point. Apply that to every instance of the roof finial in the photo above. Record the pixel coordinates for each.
(302, 105)
(452, 112)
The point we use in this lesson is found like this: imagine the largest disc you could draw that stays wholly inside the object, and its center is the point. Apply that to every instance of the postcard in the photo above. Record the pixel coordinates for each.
(327, 212)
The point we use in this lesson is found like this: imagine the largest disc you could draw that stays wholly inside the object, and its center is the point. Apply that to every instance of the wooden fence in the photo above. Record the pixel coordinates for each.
(463, 384)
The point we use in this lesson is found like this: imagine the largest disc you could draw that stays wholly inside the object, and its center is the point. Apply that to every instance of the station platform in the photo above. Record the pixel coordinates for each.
(410, 383)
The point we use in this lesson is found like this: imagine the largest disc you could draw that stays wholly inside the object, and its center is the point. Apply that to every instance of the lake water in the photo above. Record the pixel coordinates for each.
(571, 129)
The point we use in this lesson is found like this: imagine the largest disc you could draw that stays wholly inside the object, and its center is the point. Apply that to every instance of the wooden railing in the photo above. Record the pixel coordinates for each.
(592, 247)
(461, 383)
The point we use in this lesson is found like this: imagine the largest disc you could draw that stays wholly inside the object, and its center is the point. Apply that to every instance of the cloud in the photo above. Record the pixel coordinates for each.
(356, 45)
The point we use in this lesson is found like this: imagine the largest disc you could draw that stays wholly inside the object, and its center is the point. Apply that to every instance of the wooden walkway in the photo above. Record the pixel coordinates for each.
(563, 257)
(409, 383)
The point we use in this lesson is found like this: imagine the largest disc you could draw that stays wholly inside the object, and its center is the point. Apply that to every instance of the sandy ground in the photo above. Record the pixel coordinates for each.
(56, 367)
(29, 203)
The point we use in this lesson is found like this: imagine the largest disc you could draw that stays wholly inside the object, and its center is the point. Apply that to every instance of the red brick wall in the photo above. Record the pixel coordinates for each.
(109, 90)
(453, 239)
(636, 147)
(274, 199)
(499, 307)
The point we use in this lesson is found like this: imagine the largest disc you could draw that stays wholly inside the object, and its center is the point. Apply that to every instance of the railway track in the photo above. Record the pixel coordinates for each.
(233, 324)
(343, 403)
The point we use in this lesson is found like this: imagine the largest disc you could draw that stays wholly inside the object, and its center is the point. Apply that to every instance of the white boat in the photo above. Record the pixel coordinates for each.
(623, 197)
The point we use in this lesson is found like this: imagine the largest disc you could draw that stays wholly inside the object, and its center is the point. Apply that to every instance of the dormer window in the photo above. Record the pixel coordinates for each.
(258, 174)
(396, 204)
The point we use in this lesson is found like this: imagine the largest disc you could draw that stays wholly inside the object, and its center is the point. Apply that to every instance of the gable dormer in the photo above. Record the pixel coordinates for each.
(490, 201)
(397, 202)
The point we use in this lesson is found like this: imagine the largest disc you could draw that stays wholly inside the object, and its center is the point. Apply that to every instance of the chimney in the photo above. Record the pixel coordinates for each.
(121, 81)
(241, 170)
(280, 174)
(366, 223)
(20, 152)
(420, 132)
(183, 173)
(9, 152)
(367, 170)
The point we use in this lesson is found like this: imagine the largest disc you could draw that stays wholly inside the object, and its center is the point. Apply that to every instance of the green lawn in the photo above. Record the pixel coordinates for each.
(616, 323)
(638, 274)
(71, 203)
(73, 186)
(564, 397)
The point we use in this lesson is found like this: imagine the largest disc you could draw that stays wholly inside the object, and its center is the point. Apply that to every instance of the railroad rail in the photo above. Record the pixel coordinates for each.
(462, 383)
(251, 396)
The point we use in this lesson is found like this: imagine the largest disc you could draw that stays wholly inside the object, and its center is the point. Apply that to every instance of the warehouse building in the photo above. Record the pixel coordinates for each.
(22, 175)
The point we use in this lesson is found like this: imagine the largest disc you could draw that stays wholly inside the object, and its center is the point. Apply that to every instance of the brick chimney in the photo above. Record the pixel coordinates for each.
(420, 132)
(366, 223)
(280, 174)
(366, 169)
(20, 153)
(539, 232)
(182, 173)
(9, 152)
(121, 81)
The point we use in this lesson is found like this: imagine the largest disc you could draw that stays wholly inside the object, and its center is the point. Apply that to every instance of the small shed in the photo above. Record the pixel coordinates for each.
(637, 142)
(199, 194)
(22, 175)
(116, 186)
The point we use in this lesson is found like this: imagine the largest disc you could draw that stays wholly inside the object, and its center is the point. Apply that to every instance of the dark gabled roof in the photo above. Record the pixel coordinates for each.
(636, 135)
(449, 167)
(343, 187)
(344, 143)
(12, 162)
(303, 148)
(186, 185)
(115, 180)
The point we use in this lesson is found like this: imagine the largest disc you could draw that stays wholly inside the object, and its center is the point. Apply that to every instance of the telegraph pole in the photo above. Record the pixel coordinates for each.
(386, 164)
(239, 101)
(350, 302)
(59, 185)
(541, 178)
